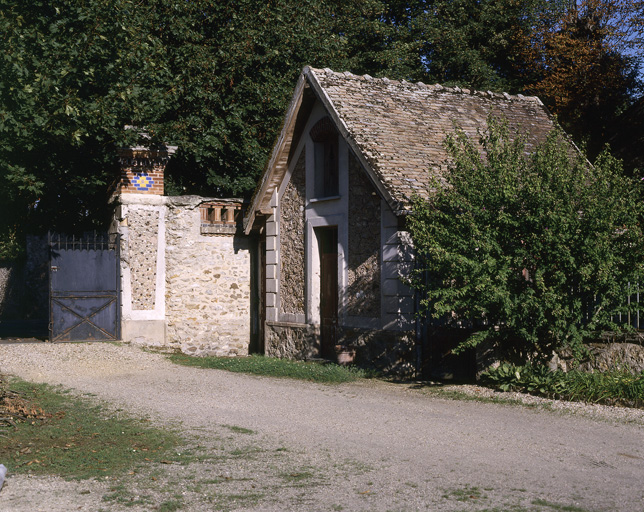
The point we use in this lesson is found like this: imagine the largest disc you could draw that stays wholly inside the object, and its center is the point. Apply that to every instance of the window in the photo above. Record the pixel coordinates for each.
(325, 144)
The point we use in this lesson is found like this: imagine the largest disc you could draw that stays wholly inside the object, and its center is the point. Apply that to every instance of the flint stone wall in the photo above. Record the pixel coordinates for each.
(142, 250)
(606, 357)
(603, 357)
(10, 301)
(392, 353)
(363, 292)
(292, 341)
(291, 234)
(207, 285)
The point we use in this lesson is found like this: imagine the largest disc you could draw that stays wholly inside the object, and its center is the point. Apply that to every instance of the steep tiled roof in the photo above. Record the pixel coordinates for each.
(400, 127)
(397, 128)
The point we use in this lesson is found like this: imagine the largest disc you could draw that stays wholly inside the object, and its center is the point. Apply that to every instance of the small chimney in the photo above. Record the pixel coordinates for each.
(142, 169)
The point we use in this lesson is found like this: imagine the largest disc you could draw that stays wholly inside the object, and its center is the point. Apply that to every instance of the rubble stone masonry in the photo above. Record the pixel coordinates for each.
(207, 285)
(291, 234)
(363, 293)
(145, 223)
(292, 341)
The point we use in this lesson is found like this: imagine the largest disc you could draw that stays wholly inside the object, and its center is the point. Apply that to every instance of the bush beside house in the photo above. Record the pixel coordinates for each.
(530, 247)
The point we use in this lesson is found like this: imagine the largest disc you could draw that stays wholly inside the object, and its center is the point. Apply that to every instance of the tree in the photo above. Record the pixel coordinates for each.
(582, 61)
(535, 251)
(581, 57)
(234, 65)
(475, 44)
(213, 77)
(381, 38)
(71, 73)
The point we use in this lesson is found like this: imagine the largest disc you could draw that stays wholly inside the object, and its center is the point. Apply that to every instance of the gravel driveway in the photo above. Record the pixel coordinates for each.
(289, 445)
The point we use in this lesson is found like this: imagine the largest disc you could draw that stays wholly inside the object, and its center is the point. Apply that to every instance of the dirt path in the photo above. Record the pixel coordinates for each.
(367, 446)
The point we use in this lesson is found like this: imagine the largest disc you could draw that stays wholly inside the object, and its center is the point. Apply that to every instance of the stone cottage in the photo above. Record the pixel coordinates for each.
(330, 210)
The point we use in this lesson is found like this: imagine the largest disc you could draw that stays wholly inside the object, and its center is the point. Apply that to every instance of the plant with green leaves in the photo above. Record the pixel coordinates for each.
(213, 77)
(615, 387)
(531, 379)
(531, 247)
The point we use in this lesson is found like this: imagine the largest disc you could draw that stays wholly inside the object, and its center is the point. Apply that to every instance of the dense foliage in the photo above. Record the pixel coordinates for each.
(583, 63)
(211, 77)
(533, 250)
(215, 77)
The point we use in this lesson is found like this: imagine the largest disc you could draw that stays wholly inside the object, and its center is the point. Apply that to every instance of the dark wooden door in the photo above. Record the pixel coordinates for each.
(328, 243)
(84, 288)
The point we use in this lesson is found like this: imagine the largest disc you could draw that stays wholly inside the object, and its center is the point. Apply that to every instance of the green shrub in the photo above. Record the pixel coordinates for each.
(531, 246)
(617, 387)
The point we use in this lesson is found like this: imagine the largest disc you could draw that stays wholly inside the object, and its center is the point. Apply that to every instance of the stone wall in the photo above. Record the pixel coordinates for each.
(10, 290)
(606, 357)
(142, 249)
(363, 291)
(140, 221)
(140, 217)
(602, 357)
(207, 285)
(292, 341)
(392, 353)
(291, 236)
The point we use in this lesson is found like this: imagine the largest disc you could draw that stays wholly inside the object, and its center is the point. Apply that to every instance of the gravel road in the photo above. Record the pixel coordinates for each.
(366, 446)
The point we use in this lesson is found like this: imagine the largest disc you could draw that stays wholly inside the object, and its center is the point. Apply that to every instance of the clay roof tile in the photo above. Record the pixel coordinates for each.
(401, 126)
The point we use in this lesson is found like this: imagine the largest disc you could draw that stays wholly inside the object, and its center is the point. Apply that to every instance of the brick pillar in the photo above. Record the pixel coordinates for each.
(140, 217)
(142, 169)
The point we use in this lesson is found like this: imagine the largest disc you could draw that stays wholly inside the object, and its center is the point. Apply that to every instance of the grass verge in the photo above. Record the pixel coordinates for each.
(273, 367)
(61, 434)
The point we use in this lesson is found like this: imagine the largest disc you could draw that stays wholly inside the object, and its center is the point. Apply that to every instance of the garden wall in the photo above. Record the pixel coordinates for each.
(185, 277)
(208, 295)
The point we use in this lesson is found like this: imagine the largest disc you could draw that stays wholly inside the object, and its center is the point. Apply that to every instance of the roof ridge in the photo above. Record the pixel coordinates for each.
(435, 87)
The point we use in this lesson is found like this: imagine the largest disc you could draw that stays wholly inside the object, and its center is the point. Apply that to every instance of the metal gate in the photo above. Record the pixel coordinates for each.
(84, 288)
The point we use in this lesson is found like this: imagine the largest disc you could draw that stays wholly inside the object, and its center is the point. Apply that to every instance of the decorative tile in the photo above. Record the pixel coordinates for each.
(142, 181)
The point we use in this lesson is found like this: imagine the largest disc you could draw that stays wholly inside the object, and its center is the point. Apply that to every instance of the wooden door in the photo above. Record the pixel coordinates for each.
(328, 244)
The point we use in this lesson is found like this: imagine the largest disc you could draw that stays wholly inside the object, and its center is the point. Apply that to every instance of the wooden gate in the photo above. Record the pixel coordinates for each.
(84, 288)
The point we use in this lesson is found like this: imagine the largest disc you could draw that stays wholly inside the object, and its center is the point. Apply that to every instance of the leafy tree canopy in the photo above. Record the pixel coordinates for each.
(215, 77)
(475, 44)
(534, 250)
(583, 62)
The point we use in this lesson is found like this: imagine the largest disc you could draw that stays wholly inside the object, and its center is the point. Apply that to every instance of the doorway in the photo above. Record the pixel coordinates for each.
(327, 238)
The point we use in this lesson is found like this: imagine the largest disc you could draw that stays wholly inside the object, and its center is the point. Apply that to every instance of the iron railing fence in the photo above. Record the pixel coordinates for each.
(87, 241)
